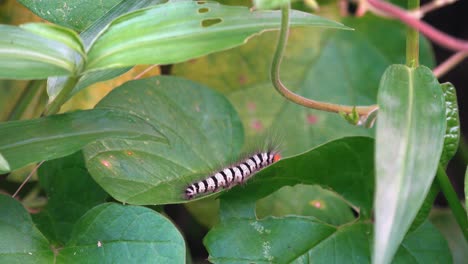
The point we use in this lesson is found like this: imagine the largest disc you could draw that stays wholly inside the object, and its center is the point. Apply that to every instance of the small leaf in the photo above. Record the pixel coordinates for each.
(203, 130)
(24, 142)
(4, 166)
(25, 55)
(112, 233)
(181, 30)
(71, 192)
(452, 131)
(21, 241)
(409, 139)
(54, 32)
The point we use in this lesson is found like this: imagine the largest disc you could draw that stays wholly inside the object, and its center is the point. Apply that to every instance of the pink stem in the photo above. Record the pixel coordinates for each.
(448, 64)
(430, 32)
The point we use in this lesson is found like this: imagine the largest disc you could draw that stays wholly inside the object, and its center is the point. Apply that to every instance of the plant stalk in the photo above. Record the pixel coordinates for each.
(284, 91)
(412, 40)
(54, 106)
(453, 201)
(31, 92)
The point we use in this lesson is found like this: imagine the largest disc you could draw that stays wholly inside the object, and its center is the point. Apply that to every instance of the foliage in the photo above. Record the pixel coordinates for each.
(109, 170)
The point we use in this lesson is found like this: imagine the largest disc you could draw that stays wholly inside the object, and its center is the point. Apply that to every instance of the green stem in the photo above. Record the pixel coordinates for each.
(453, 201)
(55, 105)
(412, 40)
(462, 153)
(284, 91)
(31, 93)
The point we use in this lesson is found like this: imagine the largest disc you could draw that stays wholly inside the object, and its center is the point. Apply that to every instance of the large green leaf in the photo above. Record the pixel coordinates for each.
(306, 200)
(76, 14)
(444, 220)
(242, 238)
(26, 55)
(24, 142)
(203, 130)
(20, 241)
(353, 179)
(112, 233)
(71, 192)
(409, 139)
(331, 65)
(181, 30)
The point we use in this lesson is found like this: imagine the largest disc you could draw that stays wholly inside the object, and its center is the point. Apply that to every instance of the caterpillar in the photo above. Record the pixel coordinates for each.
(233, 175)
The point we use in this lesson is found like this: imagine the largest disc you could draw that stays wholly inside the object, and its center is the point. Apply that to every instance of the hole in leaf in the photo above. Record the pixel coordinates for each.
(203, 10)
(210, 22)
(201, 2)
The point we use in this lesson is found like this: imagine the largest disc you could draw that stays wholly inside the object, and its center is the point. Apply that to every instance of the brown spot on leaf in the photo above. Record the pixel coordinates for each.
(242, 79)
(312, 119)
(316, 203)
(257, 125)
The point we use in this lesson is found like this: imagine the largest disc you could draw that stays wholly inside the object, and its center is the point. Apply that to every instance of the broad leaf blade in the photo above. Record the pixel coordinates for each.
(76, 14)
(21, 241)
(353, 179)
(25, 55)
(409, 140)
(112, 233)
(182, 30)
(306, 200)
(203, 130)
(71, 192)
(24, 142)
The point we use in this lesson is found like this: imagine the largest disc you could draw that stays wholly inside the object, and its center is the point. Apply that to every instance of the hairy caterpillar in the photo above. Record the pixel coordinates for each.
(233, 175)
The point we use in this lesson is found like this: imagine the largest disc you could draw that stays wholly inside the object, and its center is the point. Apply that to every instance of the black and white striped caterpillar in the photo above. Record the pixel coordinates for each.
(233, 175)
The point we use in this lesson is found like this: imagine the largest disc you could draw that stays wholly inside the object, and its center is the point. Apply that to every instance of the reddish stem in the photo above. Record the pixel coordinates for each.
(430, 32)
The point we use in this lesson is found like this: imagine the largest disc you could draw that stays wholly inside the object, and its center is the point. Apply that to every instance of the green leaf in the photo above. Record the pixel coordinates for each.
(112, 233)
(4, 166)
(352, 179)
(444, 220)
(203, 130)
(294, 239)
(181, 30)
(306, 200)
(21, 241)
(271, 4)
(409, 139)
(71, 192)
(54, 32)
(56, 84)
(24, 142)
(452, 131)
(76, 14)
(424, 245)
(334, 66)
(25, 55)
